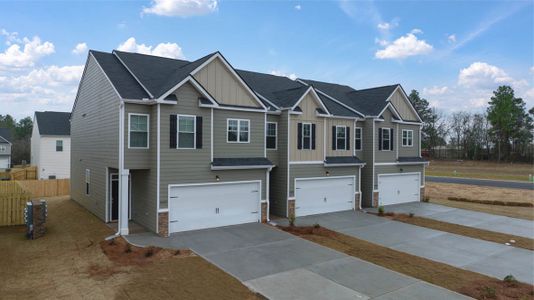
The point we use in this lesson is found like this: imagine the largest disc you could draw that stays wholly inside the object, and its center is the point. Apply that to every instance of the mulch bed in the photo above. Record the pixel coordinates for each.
(466, 282)
(492, 202)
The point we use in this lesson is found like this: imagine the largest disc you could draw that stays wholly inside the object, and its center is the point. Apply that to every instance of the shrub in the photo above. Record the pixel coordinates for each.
(489, 292)
(381, 210)
(426, 199)
(411, 215)
(316, 226)
(128, 249)
(292, 220)
(510, 279)
(149, 252)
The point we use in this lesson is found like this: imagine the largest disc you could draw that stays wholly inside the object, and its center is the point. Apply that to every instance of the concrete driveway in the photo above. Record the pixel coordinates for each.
(466, 217)
(480, 256)
(482, 182)
(281, 266)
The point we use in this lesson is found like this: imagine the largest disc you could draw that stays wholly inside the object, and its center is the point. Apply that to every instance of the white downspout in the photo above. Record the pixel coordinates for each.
(123, 179)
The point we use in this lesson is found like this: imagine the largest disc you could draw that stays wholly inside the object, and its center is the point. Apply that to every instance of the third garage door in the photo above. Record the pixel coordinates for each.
(398, 188)
(323, 195)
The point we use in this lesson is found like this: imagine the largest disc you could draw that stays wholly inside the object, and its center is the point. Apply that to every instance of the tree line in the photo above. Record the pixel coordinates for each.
(21, 132)
(504, 132)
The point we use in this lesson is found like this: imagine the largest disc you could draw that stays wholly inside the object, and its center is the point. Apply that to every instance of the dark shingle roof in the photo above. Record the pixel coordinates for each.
(280, 90)
(53, 122)
(241, 161)
(5, 133)
(343, 160)
(411, 159)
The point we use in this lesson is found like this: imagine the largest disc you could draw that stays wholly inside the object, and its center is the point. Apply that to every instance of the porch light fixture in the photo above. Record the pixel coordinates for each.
(217, 177)
(327, 173)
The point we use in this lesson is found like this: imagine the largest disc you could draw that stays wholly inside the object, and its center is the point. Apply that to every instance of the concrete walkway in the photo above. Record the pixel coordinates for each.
(482, 182)
(282, 266)
(480, 256)
(466, 217)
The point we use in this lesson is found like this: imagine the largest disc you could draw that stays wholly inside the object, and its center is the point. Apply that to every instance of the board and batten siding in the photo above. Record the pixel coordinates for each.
(256, 145)
(223, 85)
(412, 151)
(308, 105)
(94, 138)
(183, 166)
(330, 123)
(319, 170)
(403, 108)
(52, 162)
(278, 180)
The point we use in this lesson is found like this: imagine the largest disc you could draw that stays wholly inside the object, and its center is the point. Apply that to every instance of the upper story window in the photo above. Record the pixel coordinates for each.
(385, 139)
(270, 135)
(407, 138)
(306, 136)
(3, 148)
(341, 138)
(87, 180)
(186, 132)
(138, 131)
(59, 146)
(358, 138)
(238, 131)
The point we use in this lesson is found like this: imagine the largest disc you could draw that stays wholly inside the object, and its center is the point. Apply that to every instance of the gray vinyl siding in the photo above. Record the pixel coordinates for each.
(7, 152)
(94, 138)
(397, 169)
(278, 180)
(139, 158)
(318, 170)
(272, 155)
(143, 198)
(386, 155)
(183, 166)
(367, 172)
(409, 151)
(255, 147)
(359, 153)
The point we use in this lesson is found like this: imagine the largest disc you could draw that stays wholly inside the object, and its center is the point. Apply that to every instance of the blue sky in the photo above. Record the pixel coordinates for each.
(455, 53)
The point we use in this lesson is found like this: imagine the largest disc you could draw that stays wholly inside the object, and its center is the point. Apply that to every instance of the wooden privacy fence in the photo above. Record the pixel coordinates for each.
(20, 173)
(46, 188)
(13, 199)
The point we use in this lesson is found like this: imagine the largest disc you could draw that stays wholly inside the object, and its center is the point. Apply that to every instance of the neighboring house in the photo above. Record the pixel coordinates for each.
(50, 144)
(176, 145)
(5, 148)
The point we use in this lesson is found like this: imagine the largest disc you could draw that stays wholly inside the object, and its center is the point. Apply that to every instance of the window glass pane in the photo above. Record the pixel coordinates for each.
(243, 125)
(186, 140)
(358, 144)
(271, 129)
(306, 130)
(138, 139)
(243, 136)
(232, 136)
(340, 144)
(186, 124)
(340, 132)
(271, 142)
(232, 125)
(306, 143)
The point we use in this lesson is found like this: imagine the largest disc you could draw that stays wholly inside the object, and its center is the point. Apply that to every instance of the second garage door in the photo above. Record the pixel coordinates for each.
(212, 205)
(398, 188)
(323, 195)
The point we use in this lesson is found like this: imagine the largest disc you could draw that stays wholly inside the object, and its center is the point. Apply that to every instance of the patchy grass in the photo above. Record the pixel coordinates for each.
(69, 262)
(469, 283)
(492, 236)
(480, 169)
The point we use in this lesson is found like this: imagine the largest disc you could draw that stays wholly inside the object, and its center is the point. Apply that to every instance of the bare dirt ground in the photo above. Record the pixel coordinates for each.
(440, 192)
(69, 262)
(480, 169)
(462, 281)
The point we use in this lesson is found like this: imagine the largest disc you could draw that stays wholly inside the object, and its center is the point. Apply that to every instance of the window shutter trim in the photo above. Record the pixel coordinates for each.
(379, 138)
(299, 136)
(347, 139)
(334, 137)
(173, 132)
(313, 136)
(391, 135)
(198, 130)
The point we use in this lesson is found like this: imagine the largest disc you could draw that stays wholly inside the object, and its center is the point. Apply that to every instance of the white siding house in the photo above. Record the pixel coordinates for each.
(5, 148)
(50, 144)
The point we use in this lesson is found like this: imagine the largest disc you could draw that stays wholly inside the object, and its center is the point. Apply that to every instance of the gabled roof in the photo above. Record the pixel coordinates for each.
(5, 135)
(281, 91)
(53, 122)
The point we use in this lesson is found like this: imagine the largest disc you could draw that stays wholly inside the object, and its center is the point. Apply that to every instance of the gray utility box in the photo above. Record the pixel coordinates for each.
(35, 215)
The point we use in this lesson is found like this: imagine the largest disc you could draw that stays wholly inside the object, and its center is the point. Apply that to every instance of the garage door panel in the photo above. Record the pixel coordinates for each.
(213, 205)
(4, 162)
(398, 188)
(323, 195)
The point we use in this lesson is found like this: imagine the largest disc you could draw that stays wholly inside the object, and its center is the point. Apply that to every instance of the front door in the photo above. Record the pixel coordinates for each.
(114, 196)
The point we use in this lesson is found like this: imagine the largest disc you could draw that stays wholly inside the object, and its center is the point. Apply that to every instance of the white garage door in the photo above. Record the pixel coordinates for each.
(4, 163)
(398, 188)
(213, 205)
(323, 195)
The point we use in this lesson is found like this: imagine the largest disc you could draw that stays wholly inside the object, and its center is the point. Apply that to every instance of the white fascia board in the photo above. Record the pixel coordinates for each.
(241, 167)
(267, 100)
(407, 123)
(406, 99)
(310, 89)
(344, 165)
(197, 86)
(231, 69)
(393, 110)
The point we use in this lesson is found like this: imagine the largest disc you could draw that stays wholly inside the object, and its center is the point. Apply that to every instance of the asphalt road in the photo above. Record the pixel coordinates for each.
(482, 182)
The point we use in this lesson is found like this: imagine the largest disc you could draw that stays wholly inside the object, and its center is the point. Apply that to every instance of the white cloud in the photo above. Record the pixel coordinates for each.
(80, 48)
(483, 75)
(171, 50)
(11, 37)
(16, 57)
(416, 31)
(452, 38)
(384, 26)
(532, 69)
(181, 8)
(48, 88)
(298, 7)
(405, 46)
(291, 76)
(435, 90)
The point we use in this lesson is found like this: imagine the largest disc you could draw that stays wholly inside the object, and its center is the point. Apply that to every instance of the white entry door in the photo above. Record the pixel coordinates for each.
(212, 205)
(398, 188)
(323, 195)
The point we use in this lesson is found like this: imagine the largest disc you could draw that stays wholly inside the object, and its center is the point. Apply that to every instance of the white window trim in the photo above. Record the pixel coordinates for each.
(410, 140)
(178, 132)
(61, 145)
(275, 136)
(302, 135)
(390, 146)
(361, 138)
(87, 182)
(238, 131)
(345, 138)
(147, 130)
(3, 148)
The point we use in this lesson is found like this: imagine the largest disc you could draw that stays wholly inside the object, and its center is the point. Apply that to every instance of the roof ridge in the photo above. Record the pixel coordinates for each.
(377, 87)
(144, 54)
